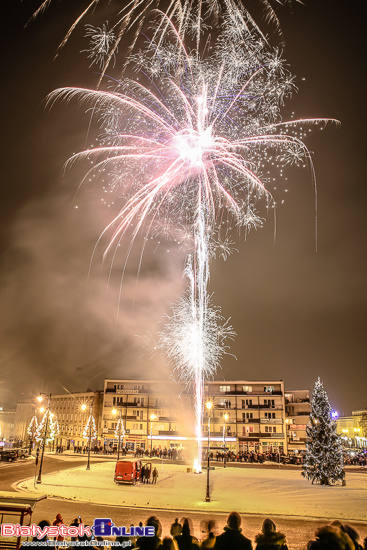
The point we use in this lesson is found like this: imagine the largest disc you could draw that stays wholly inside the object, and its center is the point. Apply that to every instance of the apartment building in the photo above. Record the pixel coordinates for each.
(245, 415)
(72, 417)
(298, 409)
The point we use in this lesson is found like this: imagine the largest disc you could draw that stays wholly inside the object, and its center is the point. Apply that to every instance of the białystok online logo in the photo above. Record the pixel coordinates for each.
(102, 527)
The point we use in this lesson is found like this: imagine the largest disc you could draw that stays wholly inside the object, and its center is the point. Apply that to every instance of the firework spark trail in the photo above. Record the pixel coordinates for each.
(191, 151)
(189, 16)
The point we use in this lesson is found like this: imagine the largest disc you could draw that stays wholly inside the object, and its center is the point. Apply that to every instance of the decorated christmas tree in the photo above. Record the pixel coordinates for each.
(31, 431)
(323, 462)
(46, 428)
(90, 430)
(120, 430)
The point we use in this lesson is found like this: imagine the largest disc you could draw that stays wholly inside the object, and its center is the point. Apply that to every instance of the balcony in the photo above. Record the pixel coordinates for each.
(249, 421)
(271, 421)
(249, 393)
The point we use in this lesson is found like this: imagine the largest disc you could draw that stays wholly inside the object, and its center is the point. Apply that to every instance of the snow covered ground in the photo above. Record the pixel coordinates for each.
(254, 491)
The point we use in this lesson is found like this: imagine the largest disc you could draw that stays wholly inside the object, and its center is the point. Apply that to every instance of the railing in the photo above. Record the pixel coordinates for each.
(239, 392)
(271, 421)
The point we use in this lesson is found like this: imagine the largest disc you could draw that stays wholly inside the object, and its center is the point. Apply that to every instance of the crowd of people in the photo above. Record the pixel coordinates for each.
(351, 458)
(333, 536)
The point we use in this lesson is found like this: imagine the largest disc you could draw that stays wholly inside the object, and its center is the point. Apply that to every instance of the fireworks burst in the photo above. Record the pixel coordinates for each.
(102, 42)
(192, 19)
(187, 143)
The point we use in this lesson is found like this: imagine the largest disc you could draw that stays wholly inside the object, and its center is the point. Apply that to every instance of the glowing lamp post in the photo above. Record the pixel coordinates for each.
(152, 418)
(225, 418)
(47, 414)
(209, 406)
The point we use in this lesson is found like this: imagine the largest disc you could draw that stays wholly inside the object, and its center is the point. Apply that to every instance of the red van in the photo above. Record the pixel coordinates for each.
(128, 471)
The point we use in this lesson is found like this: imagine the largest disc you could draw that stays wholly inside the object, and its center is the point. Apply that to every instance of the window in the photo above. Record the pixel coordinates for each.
(247, 388)
(227, 404)
(118, 387)
(269, 415)
(270, 429)
(224, 388)
(249, 415)
(268, 389)
(118, 401)
(137, 426)
(269, 402)
(139, 401)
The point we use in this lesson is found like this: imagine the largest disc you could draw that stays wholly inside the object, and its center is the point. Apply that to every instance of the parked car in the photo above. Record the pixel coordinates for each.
(8, 454)
(22, 453)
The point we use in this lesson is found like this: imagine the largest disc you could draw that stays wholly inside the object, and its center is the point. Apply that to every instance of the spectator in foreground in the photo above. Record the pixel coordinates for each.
(168, 544)
(176, 528)
(210, 539)
(151, 543)
(185, 540)
(232, 538)
(330, 537)
(269, 538)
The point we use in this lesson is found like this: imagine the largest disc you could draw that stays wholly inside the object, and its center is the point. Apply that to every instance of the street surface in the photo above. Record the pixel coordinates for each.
(297, 530)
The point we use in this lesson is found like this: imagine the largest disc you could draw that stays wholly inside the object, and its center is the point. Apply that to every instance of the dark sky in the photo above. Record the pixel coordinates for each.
(298, 313)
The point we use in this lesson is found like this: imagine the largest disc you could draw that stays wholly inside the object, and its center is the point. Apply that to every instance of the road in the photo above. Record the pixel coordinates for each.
(297, 530)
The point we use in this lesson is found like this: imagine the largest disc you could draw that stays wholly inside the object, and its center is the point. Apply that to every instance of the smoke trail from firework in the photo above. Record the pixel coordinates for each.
(191, 148)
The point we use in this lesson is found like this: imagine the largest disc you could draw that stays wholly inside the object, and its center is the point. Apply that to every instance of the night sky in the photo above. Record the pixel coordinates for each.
(298, 313)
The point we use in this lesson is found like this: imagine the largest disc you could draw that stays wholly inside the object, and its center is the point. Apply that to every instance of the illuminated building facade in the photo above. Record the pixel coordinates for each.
(298, 409)
(246, 416)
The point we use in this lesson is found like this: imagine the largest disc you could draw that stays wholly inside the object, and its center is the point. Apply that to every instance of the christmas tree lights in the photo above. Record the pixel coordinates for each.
(324, 455)
(90, 430)
(32, 427)
(45, 432)
(120, 430)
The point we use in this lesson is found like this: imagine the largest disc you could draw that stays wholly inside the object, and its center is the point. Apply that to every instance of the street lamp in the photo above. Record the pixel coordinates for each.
(119, 430)
(152, 417)
(225, 417)
(209, 406)
(47, 415)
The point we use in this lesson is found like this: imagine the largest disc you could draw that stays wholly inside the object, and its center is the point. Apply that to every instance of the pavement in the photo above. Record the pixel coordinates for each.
(297, 529)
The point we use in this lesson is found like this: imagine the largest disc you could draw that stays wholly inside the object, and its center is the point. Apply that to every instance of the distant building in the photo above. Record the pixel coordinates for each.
(353, 429)
(7, 417)
(298, 409)
(72, 419)
(24, 412)
(67, 410)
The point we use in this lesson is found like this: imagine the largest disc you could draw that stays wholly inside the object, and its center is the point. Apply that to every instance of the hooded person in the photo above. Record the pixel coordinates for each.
(269, 538)
(232, 537)
(330, 537)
